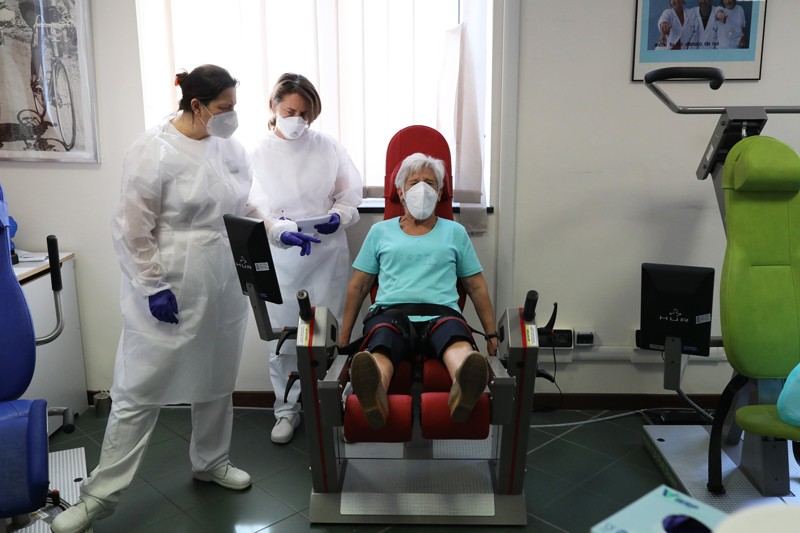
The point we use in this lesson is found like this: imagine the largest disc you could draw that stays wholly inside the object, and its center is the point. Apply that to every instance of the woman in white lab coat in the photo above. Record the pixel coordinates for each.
(183, 309)
(302, 174)
(671, 27)
(732, 24)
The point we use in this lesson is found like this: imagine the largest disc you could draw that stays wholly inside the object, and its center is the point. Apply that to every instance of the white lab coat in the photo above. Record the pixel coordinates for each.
(731, 31)
(699, 37)
(676, 31)
(302, 178)
(169, 234)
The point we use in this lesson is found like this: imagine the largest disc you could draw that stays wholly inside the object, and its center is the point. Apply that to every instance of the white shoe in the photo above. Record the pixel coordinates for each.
(227, 476)
(79, 517)
(284, 429)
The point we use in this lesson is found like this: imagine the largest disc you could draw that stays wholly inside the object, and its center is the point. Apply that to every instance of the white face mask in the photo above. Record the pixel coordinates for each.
(421, 200)
(222, 125)
(291, 127)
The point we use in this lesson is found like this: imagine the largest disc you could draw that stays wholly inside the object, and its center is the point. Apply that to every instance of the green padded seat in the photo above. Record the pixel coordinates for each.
(759, 305)
(760, 282)
(764, 420)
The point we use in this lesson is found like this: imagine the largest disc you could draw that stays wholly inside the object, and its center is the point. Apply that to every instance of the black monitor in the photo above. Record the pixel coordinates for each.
(252, 257)
(676, 304)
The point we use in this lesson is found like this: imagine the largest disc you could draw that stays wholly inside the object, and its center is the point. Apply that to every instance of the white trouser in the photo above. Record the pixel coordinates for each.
(279, 368)
(129, 430)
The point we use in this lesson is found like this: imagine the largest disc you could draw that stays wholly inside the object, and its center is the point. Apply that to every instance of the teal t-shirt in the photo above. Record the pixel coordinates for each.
(417, 269)
(789, 398)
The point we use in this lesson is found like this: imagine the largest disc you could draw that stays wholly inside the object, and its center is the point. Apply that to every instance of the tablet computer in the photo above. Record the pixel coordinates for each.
(307, 224)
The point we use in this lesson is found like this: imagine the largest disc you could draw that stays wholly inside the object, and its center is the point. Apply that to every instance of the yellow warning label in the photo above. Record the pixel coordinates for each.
(531, 335)
(303, 334)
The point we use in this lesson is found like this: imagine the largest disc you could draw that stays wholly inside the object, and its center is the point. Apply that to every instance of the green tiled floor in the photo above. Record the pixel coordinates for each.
(577, 475)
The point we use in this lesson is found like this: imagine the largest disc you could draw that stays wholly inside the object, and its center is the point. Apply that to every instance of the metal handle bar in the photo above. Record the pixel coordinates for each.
(55, 281)
(715, 78)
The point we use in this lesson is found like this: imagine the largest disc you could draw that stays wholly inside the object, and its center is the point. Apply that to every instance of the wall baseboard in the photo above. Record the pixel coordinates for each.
(543, 402)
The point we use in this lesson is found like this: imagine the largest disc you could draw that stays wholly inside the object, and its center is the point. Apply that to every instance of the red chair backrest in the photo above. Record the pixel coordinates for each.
(411, 140)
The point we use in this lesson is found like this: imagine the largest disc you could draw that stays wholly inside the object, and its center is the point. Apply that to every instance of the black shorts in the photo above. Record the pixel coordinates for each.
(401, 338)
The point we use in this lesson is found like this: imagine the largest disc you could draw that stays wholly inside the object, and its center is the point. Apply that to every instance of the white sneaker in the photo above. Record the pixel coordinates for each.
(284, 429)
(79, 517)
(227, 476)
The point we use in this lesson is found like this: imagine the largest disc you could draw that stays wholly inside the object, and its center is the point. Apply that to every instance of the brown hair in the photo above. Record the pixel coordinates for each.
(290, 83)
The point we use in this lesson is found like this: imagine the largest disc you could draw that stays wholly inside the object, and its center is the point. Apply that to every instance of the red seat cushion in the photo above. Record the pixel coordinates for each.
(437, 424)
(398, 425)
(435, 377)
(401, 380)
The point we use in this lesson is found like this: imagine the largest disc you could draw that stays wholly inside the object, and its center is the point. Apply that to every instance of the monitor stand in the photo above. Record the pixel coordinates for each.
(265, 330)
(674, 363)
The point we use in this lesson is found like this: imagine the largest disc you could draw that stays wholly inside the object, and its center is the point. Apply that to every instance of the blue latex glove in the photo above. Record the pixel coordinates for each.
(3, 209)
(164, 306)
(295, 238)
(330, 226)
(12, 229)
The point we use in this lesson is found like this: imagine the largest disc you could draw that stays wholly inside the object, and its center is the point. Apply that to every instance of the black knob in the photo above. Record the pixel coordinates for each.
(55, 263)
(529, 311)
(306, 313)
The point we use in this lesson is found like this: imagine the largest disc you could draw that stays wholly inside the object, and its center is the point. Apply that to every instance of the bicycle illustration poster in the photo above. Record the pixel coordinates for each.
(727, 34)
(46, 82)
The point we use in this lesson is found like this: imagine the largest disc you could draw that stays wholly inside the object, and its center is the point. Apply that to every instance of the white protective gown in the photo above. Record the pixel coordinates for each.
(302, 178)
(169, 233)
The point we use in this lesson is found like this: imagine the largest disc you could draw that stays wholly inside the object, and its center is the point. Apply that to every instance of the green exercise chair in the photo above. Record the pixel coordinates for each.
(759, 308)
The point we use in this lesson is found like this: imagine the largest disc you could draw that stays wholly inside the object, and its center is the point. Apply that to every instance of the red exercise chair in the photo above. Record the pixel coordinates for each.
(434, 413)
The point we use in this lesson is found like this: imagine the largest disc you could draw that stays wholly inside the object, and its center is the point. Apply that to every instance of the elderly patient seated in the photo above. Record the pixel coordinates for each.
(418, 258)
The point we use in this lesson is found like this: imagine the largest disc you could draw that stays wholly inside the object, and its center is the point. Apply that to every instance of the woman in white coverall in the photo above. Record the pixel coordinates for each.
(182, 305)
(302, 174)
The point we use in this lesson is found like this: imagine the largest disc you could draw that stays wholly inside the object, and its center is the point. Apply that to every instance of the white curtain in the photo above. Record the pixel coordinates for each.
(379, 65)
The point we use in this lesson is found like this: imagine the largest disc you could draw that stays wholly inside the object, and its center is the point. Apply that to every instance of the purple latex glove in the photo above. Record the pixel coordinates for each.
(295, 238)
(330, 226)
(164, 306)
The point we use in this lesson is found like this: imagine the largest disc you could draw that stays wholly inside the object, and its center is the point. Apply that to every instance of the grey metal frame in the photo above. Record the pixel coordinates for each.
(323, 388)
(764, 461)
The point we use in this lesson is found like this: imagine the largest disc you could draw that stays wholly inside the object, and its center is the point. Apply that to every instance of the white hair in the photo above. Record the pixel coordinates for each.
(414, 164)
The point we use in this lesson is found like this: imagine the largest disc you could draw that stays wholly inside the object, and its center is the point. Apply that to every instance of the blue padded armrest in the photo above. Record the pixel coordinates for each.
(17, 336)
(23, 457)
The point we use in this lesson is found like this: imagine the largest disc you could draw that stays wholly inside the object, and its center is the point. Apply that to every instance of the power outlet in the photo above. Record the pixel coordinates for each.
(560, 338)
(584, 339)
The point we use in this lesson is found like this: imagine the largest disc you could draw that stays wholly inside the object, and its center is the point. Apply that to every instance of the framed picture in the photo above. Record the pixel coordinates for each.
(47, 99)
(727, 34)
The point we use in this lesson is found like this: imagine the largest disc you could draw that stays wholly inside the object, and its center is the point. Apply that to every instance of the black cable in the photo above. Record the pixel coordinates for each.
(699, 410)
(560, 402)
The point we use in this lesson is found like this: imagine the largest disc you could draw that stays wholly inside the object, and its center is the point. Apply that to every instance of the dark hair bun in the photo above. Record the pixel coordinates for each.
(179, 77)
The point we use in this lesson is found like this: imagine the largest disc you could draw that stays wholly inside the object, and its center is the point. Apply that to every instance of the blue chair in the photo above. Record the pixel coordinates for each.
(24, 482)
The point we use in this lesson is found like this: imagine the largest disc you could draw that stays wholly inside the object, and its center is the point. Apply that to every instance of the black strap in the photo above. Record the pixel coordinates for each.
(421, 309)
(415, 309)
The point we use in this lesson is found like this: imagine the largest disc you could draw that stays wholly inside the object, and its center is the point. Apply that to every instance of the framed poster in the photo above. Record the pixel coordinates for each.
(46, 82)
(727, 34)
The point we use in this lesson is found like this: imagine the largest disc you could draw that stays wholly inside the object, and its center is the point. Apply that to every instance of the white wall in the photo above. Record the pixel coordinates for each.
(606, 178)
(75, 201)
(605, 181)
